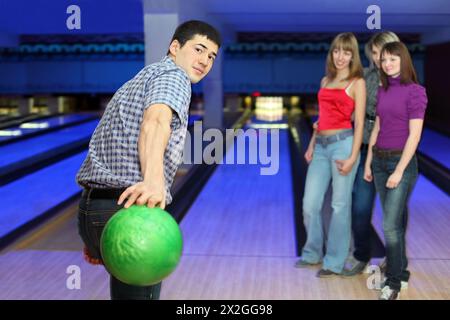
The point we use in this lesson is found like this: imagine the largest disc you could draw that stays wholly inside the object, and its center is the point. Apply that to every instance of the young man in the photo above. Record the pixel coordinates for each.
(137, 147)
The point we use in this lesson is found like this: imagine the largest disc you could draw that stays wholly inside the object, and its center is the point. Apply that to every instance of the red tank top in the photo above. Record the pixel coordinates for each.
(335, 108)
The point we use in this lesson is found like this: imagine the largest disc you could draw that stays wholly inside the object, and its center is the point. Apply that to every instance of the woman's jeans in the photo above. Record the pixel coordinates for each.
(93, 214)
(363, 201)
(395, 214)
(321, 171)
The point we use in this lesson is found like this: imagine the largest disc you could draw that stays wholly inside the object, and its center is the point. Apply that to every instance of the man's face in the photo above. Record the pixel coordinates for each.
(376, 55)
(196, 57)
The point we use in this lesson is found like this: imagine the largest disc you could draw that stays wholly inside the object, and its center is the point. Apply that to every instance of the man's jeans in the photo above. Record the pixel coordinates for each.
(395, 215)
(92, 217)
(363, 200)
(321, 170)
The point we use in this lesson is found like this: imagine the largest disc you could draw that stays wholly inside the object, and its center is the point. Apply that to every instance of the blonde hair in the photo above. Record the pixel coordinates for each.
(379, 40)
(345, 41)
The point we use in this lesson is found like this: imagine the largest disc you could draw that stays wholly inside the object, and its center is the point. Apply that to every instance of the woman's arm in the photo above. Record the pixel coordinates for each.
(360, 111)
(373, 139)
(310, 150)
(415, 131)
(345, 166)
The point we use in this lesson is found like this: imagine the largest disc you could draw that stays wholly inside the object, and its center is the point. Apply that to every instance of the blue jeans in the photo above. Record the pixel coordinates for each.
(321, 170)
(93, 214)
(363, 200)
(395, 214)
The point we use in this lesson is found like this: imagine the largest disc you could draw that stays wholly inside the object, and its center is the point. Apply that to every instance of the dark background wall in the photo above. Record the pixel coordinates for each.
(270, 68)
(437, 83)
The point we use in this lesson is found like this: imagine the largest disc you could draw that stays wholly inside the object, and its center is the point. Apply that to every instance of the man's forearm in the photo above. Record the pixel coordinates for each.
(153, 138)
(153, 141)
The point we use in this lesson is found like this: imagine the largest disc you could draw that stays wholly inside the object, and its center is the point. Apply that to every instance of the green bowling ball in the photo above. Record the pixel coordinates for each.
(141, 246)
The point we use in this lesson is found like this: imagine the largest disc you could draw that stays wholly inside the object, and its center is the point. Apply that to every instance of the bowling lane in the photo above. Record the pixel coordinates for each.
(27, 149)
(232, 248)
(241, 212)
(43, 275)
(34, 194)
(42, 125)
(239, 234)
(428, 235)
(239, 242)
(436, 146)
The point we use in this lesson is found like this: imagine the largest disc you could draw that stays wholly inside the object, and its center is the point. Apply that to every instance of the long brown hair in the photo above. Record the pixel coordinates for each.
(345, 41)
(407, 71)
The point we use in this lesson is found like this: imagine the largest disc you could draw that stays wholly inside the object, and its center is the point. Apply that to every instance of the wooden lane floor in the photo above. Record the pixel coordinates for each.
(36, 266)
(39, 264)
(239, 244)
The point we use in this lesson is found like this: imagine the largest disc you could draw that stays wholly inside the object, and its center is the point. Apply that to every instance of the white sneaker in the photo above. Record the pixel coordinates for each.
(389, 294)
(404, 285)
(383, 265)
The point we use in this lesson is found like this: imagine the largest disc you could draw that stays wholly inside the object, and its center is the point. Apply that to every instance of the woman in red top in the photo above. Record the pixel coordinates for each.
(333, 156)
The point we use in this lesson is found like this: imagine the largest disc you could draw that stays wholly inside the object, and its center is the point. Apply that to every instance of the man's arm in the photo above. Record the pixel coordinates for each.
(153, 140)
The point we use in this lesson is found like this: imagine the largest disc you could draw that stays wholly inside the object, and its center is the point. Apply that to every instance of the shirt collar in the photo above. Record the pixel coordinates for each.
(168, 59)
(394, 81)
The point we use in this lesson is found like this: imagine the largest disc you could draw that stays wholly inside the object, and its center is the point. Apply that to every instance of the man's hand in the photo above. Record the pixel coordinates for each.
(149, 194)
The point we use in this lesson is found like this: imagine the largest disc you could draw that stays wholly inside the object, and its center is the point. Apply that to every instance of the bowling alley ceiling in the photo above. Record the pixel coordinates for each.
(38, 17)
(329, 15)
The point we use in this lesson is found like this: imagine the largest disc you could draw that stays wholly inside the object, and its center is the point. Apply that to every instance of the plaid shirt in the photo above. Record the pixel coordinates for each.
(113, 157)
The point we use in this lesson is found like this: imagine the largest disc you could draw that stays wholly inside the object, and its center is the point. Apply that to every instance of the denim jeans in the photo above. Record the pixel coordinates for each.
(395, 214)
(363, 200)
(321, 171)
(93, 214)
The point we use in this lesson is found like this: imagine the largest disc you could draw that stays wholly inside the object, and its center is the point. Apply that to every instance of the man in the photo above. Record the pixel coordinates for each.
(137, 147)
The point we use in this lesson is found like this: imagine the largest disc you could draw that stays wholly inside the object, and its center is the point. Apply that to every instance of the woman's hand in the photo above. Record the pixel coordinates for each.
(315, 125)
(309, 154)
(368, 173)
(394, 179)
(344, 166)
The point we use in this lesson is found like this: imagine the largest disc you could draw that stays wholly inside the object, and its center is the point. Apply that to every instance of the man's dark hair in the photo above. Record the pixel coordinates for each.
(187, 30)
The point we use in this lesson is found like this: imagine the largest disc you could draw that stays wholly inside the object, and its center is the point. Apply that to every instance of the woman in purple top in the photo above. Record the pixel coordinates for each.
(391, 156)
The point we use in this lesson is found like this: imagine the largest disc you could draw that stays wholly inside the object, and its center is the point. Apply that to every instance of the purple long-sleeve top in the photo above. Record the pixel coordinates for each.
(396, 106)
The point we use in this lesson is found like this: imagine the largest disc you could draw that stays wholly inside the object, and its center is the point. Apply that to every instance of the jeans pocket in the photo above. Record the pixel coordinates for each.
(91, 229)
(98, 220)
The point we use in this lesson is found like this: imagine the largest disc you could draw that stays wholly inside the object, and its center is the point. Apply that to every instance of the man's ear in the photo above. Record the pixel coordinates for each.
(174, 47)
